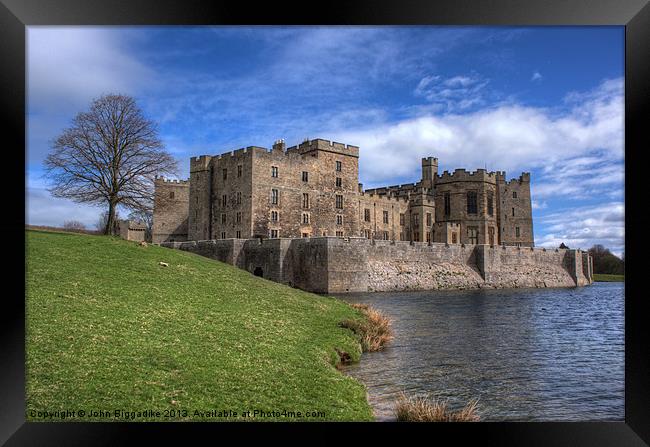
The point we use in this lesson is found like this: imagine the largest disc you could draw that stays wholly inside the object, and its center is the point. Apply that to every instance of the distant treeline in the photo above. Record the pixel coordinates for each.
(606, 262)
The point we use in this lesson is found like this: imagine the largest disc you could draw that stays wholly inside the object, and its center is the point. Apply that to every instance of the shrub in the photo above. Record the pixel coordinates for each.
(374, 331)
(421, 409)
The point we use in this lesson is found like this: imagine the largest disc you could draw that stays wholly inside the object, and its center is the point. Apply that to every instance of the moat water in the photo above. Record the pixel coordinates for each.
(526, 354)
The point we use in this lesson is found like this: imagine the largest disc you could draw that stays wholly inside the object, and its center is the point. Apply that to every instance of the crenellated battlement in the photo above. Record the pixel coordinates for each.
(388, 198)
(165, 181)
(523, 178)
(461, 175)
(200, 163)
(325, 145)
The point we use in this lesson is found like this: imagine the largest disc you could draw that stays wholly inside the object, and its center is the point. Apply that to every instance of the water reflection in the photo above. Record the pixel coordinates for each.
(527, 354)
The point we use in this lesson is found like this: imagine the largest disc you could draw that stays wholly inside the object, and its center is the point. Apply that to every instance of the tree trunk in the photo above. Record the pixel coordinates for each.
(110, 220)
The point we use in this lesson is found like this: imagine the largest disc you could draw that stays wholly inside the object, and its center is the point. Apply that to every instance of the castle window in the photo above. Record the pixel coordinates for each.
(517, 231)
(238, 170)
(447, 204)
(223, 218)
(428, 220)
(305, 218)
(274, 233)
(171, 195)
(471, 202)
(385, 217)
(454, 238)
(416, 220)
(366, 215)
(223, 235)
(490, 205)
(239, 217)
(428, 237)
(274, 171)
(305, 200)
(338, 166)
(239, 235)
(225, 174)
(224, 200)
(239, 198)
(339, 234)
(274, 196)
(472, 235)
(339, 219)
(401, 219)
(339, 182)
(339, 201)
(305, 176)
(366, 234)
(513, 212)
(514, 194)
(416, 236)
(274, 216)
(386, 237)
(305, 234)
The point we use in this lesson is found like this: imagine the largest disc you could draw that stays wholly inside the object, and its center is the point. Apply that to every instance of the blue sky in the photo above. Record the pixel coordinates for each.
(548, 100)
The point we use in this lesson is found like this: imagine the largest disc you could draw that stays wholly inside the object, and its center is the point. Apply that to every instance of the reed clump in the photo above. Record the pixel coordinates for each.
(374, 331)
(423, 409)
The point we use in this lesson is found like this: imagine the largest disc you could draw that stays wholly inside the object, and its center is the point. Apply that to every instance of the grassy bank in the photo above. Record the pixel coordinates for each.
(600, 277)
(109, 328)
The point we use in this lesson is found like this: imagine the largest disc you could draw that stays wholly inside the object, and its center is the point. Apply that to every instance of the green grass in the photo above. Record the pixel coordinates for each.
(108, 328)
(600, 277)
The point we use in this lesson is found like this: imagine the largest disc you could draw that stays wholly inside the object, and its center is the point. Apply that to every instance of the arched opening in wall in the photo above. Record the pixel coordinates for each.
(258, 272)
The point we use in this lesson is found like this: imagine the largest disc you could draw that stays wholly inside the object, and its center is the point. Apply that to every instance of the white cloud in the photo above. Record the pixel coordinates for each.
(563, 144)
(537, 76)
(585, 226)
(457, 93)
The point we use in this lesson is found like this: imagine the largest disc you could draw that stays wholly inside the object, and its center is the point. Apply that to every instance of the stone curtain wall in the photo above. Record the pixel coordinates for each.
(338, 265)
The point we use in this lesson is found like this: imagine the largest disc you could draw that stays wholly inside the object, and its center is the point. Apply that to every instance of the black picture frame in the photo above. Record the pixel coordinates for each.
(15, 15)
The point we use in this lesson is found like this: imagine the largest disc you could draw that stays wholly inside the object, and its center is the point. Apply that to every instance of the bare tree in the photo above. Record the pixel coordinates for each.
(109, 156)
(102, 222)
(73, 225)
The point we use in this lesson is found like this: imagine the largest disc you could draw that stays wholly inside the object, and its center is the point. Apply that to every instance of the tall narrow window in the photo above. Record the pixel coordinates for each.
(238, 234)
(472, 235)
(416, 220)
(239, 198)
(339, 234)
(225, 174)
(274, 196)
(223, 235)
(401, 219)
(447, 204)
(239, 169)
(274, 233)
(428, 220)
(366, 215)
(239, 217)
(274, 171)
(305, 176)
(274, 216)
(171, 195)
(490, 204)
(385, 217)
(517, 233)
(338, 166)
(471, 202)
(339, 182)
(514, 194)
(224, 200)
(305, 218)
(513, 212)
(339, 201)
(305, 200)
(223, 218)
(339, 219)
(386, 236)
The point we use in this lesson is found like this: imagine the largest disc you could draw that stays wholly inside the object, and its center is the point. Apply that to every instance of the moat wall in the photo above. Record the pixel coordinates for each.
(338, 265)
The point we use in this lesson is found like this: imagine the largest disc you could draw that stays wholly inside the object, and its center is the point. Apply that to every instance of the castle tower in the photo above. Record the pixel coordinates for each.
(429, 171)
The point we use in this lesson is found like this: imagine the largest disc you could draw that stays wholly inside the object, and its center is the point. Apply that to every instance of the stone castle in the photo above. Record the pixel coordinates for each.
(313, 190)
(299, 216)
